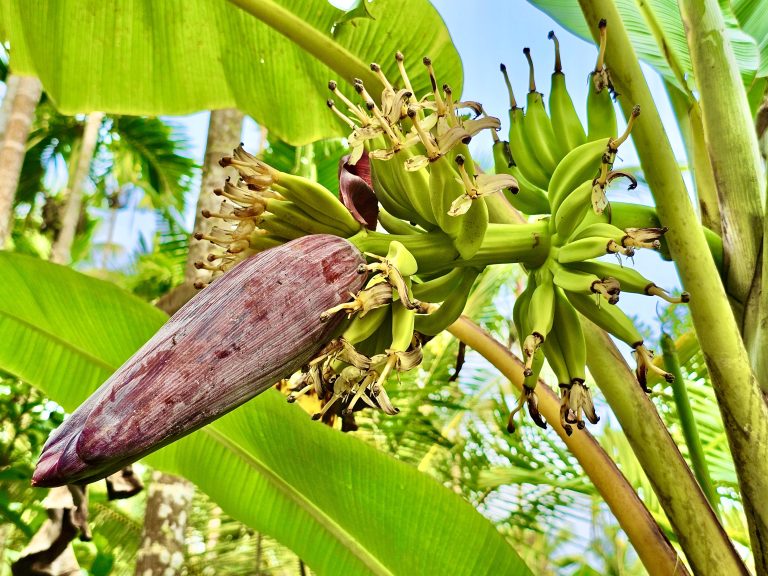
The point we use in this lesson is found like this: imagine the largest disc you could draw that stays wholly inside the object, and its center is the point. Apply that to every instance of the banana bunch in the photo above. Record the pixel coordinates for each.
(421, 169)
(574, 280)
(540, 142)
(266, 208)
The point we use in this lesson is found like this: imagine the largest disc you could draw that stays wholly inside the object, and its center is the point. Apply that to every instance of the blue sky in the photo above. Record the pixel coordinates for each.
(486, 34)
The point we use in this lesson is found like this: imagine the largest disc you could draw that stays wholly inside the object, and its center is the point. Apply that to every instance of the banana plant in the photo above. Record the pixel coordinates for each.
(437, 222)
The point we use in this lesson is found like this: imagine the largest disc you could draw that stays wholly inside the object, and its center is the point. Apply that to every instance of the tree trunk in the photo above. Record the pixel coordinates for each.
(224, 132)
(165, 520)
(11, 86)
(13, 146)
(62, 246)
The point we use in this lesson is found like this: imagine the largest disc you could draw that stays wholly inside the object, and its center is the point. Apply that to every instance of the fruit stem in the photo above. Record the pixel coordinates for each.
(603, 26)
(512, 101)
(531, 77)
(558, 63)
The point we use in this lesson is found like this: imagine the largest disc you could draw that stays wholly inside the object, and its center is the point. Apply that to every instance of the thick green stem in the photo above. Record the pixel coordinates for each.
(650, 543)
(313, 41)
(688, 113)
(731, 141)
(702, 538)
(434, 251)
(744, 411)
(688, 423)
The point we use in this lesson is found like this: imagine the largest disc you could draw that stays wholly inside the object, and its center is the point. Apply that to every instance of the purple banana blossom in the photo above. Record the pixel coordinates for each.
(255, 325)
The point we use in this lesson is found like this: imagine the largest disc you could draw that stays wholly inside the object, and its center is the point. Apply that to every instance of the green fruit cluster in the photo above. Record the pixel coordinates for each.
(442, 221)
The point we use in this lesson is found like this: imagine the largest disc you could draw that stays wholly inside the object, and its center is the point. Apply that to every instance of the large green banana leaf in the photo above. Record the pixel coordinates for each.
(178, 56)
(341, 505)
(657, 33)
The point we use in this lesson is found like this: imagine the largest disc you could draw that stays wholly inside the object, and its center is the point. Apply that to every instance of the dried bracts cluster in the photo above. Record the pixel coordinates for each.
(342, 318)
(254, 326)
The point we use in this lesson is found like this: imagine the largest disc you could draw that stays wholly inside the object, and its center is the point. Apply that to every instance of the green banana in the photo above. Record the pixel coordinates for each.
(472, 227)
(609, 318)
(569, 133)
(537, 126)
(440, 288)
(277, 227)
(541, 311)
(414, 185)
(580, 164)
(577, 282)
(601, 113)
(361, 329)
(386, 176)
(399, 257)
(554, 355)
(588, 248)
(572, 210)
(444, 187)
(522, 154)
(387, 191)
(291, 214)
(317, 201)
(395, 225)
(530, 199)
(602, 229)
(520, 309)
(630, 279)
(570, 336)
(449, 311)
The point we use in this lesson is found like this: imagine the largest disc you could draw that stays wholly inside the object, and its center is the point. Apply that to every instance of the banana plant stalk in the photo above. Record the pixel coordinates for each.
(688, 423)
(744, 411)
(688, 114)
(702, 538)
(731, 141)
(649, 541)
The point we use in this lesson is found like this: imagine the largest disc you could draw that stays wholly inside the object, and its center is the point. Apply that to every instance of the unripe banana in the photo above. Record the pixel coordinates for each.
(609, 318)
(444, 187)
(290, 213)
(382, 183)
(578, 282)
(395, 225)
(399, 257)
(572, 210)
(449, 311)
(520, 309)
(415, 185)
(440, 288)
(361, 329)
(522, 153)
(602, 229)
(569, 133)
(629, 279)
(316, 200)
(537, 125)
(601, 114)
(385, 176)
(472, 227)
(588, 248)
(570, 336)
(530, 199)
(553, 352)
(580, 164)
(541, 310)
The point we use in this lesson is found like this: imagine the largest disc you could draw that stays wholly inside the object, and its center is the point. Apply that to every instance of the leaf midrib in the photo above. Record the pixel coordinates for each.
(337, 531)
(59, 341)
